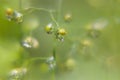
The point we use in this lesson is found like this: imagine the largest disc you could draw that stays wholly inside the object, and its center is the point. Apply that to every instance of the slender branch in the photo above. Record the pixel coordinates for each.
(59, 10)
(54, 53)
(20, 4)
(31, 9)
(38, 58)
(53, 18)
(53, 75)
(34, 8)
(28, 62)
(43, 9)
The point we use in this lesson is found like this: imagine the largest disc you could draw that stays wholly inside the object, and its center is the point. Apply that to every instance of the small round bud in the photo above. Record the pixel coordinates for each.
(68, 17)
(60, 34)
(30, 42)
(70, 64)
(18, 17)
(51, 62)
(9, 11)
(49, 28)
(17, 74)
(62, 31)
(9, 14)
(86, 43)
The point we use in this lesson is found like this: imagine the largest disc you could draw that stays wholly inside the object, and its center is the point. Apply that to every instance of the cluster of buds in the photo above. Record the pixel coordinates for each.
(95, 28)
(17, 74)
(51, 63)
(59, 32)
(13, 15)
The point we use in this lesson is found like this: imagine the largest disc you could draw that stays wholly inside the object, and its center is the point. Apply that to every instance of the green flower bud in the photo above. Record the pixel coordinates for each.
(49, 28)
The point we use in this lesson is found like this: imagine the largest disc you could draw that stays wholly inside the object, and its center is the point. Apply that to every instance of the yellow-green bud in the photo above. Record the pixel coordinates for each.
(9, 11)
(62, 31)
(49, 28)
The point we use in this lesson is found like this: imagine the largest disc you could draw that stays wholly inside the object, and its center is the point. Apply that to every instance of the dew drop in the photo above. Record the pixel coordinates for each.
(26, 44)
(51, 63)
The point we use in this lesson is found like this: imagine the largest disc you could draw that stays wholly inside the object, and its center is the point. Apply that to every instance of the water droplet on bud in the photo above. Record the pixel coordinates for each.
(49, 28)
(30, 42)
(51, 62)
(17, 73)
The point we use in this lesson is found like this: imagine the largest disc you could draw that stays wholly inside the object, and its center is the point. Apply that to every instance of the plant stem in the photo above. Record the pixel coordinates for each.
(54, 52)
(38, 58)
(46, 10)
(53, 75)
(59, 10)
(55, 45)
(20, 4)
(40, 9)
(53, 18)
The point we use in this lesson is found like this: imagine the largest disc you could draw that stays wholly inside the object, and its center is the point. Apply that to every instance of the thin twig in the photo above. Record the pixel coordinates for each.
(53, 18)
(20, 4)
(43, 9)
(38, 58)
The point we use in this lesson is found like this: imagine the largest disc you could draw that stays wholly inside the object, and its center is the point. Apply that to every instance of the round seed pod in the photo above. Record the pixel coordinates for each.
(9, 11)
(18, 17)
(86, 43)
(67, 17)
(62, 31)
(70, 64)
(49, 28)
(30, 42)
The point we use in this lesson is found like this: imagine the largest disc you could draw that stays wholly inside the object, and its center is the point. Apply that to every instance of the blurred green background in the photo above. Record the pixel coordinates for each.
(99, 60)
